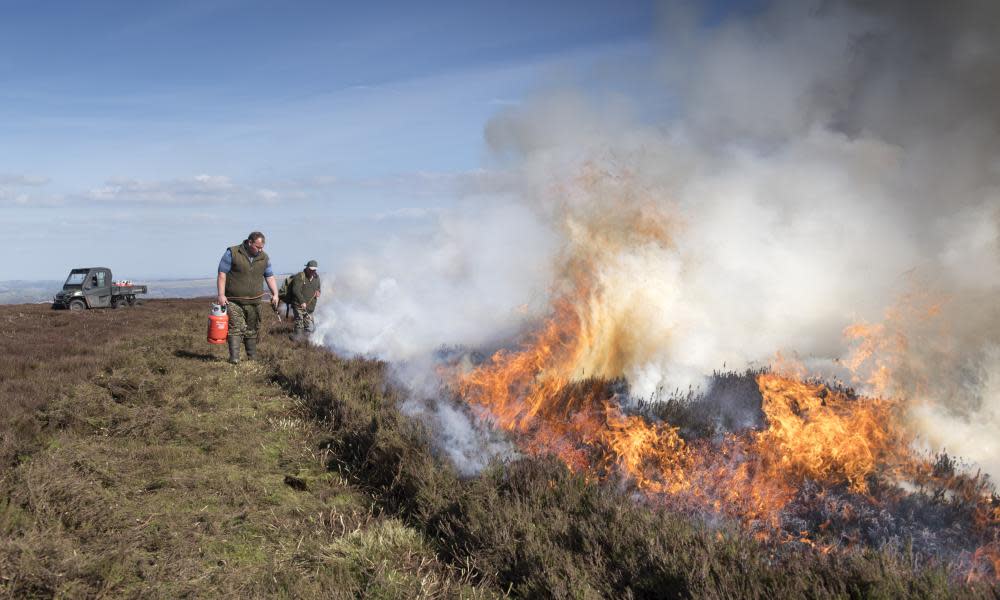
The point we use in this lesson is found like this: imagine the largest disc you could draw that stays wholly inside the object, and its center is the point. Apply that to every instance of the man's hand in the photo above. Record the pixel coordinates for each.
(223, 300)
(272, 287)
(302, 306)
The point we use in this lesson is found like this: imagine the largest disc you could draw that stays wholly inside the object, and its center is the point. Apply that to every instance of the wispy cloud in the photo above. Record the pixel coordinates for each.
(436, 183)
(8, 196)
(214, 189)
(200, 189)
(12, 180)
(407, 213)
(21, 189)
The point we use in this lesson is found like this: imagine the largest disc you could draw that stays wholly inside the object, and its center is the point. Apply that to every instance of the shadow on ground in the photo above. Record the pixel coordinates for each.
(202, 356)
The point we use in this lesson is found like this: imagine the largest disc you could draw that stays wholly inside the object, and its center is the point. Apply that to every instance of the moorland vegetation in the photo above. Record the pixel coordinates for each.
(136, 462)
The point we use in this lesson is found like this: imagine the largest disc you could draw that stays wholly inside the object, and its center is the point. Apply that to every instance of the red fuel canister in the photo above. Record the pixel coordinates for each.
(218, 324)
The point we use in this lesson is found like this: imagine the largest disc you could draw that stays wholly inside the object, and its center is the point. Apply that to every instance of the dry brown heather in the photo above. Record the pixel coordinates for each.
(136, 463)
(531, 528)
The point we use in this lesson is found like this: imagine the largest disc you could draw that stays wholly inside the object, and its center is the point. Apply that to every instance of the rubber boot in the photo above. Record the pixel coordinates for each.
(234, 349)
(251, 344)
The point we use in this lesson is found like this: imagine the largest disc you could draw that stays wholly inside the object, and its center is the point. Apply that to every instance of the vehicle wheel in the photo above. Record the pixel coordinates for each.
(77, 304)
(131, 300)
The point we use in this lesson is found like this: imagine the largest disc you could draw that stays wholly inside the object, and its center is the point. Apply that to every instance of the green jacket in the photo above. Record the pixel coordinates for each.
(245, 279)
(303, 290)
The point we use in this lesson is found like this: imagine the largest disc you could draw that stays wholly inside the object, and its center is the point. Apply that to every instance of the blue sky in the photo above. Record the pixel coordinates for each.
(149, 136)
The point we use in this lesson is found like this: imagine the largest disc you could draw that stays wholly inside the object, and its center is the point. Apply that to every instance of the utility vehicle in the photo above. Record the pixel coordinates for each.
(92, 287)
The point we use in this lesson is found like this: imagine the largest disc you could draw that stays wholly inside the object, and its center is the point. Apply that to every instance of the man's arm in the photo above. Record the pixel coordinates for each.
(220, 285)
(273, 287)
(225, 264)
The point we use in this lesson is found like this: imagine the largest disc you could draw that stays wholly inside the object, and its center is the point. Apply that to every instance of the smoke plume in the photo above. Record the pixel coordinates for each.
(808, 170)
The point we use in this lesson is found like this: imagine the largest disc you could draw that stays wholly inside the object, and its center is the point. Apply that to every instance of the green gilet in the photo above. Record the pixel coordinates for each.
(245, 279)
(304, 291)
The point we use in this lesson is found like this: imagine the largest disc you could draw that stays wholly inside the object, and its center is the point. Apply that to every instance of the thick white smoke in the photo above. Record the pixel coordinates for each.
(471, 282)
(818, 163)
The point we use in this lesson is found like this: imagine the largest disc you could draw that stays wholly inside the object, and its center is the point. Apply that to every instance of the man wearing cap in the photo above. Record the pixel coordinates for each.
(303, 293)
(242, 269)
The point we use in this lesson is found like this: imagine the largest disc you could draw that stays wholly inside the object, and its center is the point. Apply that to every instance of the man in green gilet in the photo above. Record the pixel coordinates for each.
(303, 293)
(241, 270)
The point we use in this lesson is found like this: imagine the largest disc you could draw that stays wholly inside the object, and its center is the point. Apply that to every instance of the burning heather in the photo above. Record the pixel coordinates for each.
(767, 293)
(827, 468)
(818, 465)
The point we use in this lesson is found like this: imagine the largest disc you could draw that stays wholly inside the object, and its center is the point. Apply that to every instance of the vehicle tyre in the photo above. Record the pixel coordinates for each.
(77, 304)
(117, 303)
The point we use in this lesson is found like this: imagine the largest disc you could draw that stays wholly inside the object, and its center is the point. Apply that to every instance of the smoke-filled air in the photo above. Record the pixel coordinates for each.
(754, 277)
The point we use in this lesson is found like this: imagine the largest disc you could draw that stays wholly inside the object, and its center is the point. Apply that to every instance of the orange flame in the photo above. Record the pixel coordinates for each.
(821, 434)
(813, 433)
(985, 564)
(542, 395)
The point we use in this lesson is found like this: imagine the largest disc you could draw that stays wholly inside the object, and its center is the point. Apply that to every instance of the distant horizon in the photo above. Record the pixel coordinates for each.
(137, 279)
(34, 291)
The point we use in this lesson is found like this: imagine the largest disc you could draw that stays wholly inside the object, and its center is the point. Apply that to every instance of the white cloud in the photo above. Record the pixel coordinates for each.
(200, 189)
(10, 180)
(14, 190)
(214, 181)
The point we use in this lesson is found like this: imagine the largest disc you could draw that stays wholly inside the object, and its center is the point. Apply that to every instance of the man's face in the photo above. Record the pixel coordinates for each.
(255, 246)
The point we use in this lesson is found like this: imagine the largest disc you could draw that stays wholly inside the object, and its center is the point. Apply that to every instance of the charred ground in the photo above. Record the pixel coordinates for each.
(137, 463)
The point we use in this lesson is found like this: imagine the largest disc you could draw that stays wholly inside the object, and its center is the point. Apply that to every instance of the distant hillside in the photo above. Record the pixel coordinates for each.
(20, 291)
(28, 292)
(180, 288)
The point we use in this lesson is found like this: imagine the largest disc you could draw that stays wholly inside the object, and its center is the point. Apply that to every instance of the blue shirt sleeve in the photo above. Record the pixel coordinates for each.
(268, 272)
(226, 264)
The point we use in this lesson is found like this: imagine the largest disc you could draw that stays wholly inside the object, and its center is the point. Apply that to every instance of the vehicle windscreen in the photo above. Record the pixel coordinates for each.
(76, 278)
